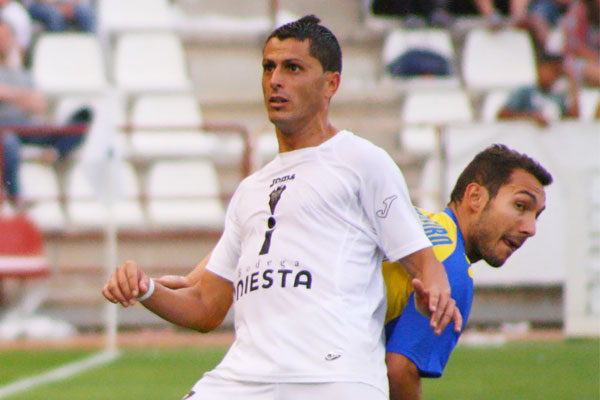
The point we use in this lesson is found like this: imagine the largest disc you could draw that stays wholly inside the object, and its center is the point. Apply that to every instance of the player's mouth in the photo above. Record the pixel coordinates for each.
(277, 101)
(512, 243)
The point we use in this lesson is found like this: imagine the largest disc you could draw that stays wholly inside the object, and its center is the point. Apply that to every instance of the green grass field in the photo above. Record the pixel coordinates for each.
(568, 370)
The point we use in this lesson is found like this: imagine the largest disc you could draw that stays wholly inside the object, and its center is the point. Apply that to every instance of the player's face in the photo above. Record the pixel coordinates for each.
(296, 90)
(508, 219)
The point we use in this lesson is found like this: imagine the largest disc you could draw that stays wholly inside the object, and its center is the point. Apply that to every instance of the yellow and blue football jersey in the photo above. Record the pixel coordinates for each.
(407, 331)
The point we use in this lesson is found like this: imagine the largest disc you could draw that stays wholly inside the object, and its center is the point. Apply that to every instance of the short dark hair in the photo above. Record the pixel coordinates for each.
(492, 168)
(324, 46)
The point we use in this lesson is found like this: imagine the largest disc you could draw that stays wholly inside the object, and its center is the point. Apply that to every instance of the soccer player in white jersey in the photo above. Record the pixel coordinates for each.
(300, 256)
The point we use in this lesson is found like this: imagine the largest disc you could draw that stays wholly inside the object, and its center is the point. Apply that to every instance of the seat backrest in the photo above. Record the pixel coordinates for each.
(38, 181)
(68, 63)
(589, 101)
(493, 102)
(498, 59)
(131, 15)
(182, 179)
(166, 110)
(399, 41)
(150, 61)
(437, 107)
(79, 186)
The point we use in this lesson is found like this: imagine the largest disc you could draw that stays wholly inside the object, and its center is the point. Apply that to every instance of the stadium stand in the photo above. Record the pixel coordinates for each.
(150, 62)
(169, 112)
(399, 41)
(41, 193)
(493, 102)
(86, 212)
(184, 194)
(68, 63)
(497, 59)
(117, 16)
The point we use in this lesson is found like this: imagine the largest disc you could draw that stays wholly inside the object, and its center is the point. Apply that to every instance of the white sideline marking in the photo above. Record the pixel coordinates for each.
(58, 373)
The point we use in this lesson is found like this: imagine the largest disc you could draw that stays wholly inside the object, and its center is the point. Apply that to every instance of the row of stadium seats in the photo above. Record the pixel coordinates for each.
(167, 195)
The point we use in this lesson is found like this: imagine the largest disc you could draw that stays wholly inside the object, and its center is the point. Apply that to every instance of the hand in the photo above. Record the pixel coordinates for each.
(440, 308)
(174, 281)
(126, 284)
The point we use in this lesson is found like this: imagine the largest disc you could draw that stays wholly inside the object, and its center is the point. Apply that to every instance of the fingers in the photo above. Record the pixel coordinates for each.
(458, 320)
(438, 306)
(125, 284)
(446, 316)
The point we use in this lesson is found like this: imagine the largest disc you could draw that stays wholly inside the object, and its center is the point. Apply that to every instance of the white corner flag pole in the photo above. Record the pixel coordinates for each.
(101, 158)
(110, 246)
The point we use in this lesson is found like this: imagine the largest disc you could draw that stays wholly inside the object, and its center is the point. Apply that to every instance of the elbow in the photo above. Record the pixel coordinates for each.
(209, 323)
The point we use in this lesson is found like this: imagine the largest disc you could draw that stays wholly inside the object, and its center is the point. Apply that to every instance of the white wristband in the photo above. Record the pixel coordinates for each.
(148, 293)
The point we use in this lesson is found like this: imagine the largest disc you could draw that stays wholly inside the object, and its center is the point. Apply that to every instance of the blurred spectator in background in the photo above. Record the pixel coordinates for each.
(59, 15)
(582, 41)
(21, 104)
(555, 96)
(13, 13)
(420, 62)
(541, 18)
(416, 12)
(495, 12)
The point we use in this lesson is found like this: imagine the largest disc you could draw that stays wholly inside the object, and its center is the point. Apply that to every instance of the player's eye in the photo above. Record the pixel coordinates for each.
(520, 206)
(294, 67)
(268, 67)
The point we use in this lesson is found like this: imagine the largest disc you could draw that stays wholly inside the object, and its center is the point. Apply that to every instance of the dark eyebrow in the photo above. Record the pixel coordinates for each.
(528, 193)
(534, 198)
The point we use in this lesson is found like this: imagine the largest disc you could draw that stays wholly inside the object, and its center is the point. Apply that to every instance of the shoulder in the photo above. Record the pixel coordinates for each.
(441, 231)
(359, 152)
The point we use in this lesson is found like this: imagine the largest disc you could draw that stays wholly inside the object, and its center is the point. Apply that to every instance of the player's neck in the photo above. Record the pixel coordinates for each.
(308, 136)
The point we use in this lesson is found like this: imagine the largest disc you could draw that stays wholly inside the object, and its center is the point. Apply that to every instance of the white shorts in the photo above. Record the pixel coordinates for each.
(213, 388)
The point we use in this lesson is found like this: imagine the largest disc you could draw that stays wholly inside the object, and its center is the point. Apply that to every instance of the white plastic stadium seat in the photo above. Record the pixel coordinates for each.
(86, 212)
(438, 40)
(169, 111)
(437, 107)
(494, 101)
(184, 194)
(39, 187)
(68, 63)
(133, 15)
(146, 62)
(418, 139)
(498, 59)
(589, 100)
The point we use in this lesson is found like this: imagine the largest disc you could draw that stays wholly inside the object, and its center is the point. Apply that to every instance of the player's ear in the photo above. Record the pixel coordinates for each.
(476, 197)
(332, 83)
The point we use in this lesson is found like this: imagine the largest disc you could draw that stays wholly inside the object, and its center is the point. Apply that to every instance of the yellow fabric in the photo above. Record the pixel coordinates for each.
(442, 233)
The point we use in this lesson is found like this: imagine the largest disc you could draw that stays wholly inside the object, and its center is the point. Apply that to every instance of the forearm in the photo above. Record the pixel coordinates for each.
(195, 307)
(417, 263)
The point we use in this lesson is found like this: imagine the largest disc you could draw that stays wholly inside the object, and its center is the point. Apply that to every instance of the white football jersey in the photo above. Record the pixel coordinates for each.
(303, 244)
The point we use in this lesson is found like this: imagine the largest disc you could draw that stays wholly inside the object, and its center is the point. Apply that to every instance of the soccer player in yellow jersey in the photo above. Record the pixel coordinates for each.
(492, 211)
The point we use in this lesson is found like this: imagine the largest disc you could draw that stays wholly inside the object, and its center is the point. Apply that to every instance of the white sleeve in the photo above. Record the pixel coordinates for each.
(226, 253)
(387, 204)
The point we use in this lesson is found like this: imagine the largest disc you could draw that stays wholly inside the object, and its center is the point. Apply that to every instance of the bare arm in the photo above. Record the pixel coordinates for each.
(509, 114)
(178, 282)
(202, 306)
(432, 290)
(30, 100)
